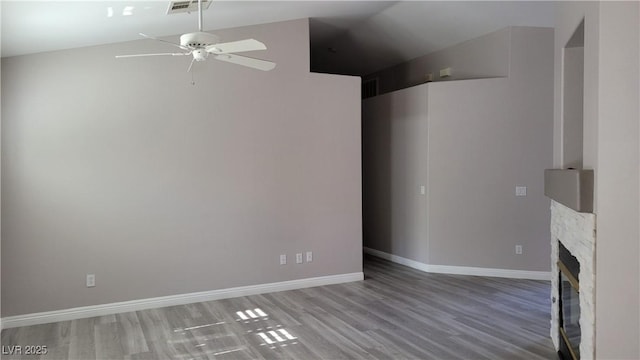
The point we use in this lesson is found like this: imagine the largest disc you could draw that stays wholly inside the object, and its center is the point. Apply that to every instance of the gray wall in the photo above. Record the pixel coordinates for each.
(394, 167)
(122, 168)
(473, 141)
(0, 178)
(483, 57)
(612, 149)
(573, 94)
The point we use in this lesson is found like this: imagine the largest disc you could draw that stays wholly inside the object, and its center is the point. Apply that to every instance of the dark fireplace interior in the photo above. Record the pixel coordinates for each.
(569, 289)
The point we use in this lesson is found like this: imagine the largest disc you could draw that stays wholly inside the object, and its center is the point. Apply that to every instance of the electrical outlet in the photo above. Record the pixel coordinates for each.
(518, 249)
(309, 256)
(521, 191)
(299, 258)
(91, 280)
(283, 259)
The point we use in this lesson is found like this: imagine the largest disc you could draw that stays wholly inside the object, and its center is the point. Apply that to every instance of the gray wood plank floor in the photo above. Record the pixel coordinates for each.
(396, 313)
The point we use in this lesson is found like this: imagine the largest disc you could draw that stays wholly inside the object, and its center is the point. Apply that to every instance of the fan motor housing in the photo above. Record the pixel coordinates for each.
(198, 39)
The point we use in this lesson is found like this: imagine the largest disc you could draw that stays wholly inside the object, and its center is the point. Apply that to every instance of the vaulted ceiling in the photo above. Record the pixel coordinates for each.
(349, 37)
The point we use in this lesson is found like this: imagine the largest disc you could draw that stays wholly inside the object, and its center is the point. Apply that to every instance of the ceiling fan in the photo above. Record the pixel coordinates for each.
(202, 45)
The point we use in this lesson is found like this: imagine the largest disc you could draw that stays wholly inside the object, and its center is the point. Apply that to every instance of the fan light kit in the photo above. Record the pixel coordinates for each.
(202, 45)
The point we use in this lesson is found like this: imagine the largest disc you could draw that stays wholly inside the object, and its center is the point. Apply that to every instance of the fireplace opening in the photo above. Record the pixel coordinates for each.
(569, 306)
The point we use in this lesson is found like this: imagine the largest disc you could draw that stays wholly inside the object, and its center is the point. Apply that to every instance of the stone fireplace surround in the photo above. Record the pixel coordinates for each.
(577, 232)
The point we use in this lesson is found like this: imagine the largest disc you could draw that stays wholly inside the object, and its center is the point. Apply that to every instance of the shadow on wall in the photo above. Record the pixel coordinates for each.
(376, 177)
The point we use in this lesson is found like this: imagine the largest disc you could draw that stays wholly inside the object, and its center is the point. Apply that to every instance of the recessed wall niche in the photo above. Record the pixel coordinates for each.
(573, 99)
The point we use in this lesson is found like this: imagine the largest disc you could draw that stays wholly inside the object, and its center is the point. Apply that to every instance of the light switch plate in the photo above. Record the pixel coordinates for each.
(91, 280)
(521, 191)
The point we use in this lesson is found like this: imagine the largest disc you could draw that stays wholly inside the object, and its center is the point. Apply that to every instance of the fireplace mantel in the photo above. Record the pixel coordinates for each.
(571, 187)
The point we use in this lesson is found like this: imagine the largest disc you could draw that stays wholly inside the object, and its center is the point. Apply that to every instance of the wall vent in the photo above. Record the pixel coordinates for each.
(176, 7)
(369, 88)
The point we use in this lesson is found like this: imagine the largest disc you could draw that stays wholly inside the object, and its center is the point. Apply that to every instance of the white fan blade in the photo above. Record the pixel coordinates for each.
(164, 41)
(247, 61)
(161, 54)
(236, 46)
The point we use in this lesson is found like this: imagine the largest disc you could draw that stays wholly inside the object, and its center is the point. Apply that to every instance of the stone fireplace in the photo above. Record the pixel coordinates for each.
(573, 240)
(573, 235)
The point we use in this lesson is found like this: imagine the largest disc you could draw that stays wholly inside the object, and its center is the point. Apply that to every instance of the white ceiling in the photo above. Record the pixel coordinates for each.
(364, 36)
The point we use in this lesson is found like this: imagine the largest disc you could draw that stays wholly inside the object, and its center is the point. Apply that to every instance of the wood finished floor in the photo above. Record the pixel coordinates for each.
(396, 313)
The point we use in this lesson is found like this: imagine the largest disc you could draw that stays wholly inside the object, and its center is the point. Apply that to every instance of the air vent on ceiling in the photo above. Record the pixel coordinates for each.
(186, 6)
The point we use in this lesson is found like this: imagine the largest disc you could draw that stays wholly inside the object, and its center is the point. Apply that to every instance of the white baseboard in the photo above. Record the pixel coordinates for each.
(172, 300)
(461, 270)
